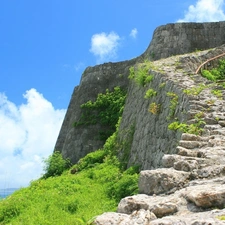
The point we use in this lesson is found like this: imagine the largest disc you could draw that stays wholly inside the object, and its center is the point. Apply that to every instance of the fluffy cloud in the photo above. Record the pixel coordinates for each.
(205, 11)
(133, 33)
(28, 134)
(104, 46)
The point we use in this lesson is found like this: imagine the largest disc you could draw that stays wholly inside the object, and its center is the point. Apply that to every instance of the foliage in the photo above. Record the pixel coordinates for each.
(99, 182)
(106, 111)
(173, 104)
(55, 165)
(162, 85)
(150, 93)
(154, 108)
(222, 217)
(140, 74)
(195, 128)
(215, 73)
(217, 93)
(195, 90)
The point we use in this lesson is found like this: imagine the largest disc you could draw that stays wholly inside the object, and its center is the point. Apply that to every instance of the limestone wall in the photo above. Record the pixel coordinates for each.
(76, 142)
(171, 39)
(152, 138)
(181, 38)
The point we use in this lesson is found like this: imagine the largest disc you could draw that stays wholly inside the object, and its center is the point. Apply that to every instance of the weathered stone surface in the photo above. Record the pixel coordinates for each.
(192, 144)
(206, 196)
(141, 217)
(202, 218)
(160, 206)
(161, 180)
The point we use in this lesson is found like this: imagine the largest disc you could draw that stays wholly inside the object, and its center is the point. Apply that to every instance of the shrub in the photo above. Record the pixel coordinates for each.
(55, 165)
(105, 111)
(154, 108)
(150, 93)
(126, 185)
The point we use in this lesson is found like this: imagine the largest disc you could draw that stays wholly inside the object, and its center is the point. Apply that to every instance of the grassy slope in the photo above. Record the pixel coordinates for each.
(72, 198)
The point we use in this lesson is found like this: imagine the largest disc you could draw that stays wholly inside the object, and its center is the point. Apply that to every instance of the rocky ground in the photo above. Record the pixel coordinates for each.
(189, 189)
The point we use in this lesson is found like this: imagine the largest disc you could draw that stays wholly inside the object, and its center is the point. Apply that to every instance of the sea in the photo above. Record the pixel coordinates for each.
(6, 192)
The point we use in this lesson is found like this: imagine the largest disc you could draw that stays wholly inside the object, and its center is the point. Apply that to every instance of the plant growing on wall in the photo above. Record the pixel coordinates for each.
(195, 90)
(154, 108)
(140, 74)
(150, 93)
(173, 104)
(106, 111)
(215, 73)
(195, 128)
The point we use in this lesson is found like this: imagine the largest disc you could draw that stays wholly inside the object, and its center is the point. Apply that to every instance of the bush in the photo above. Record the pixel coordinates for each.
(91, 159)
(126, 185)
(55, 165)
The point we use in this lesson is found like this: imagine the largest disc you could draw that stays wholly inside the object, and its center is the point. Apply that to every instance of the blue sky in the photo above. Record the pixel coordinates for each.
(45, 45)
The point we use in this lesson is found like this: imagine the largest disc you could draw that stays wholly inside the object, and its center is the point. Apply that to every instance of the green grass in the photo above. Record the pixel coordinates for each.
(69, 198)
(93, 186)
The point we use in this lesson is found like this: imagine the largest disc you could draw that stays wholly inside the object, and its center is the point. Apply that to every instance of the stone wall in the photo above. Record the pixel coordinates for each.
(152, 138)
(172, 39)
(75, 142)
(181, 38)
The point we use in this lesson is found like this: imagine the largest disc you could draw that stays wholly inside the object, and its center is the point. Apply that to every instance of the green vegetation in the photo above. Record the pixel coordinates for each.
(140, 74)
(106, 111)
(195, 90)
(173, 104)
(215, 74)
(217, 93)
(222, 217)
(93, 186)
(154, 108)
(195, 128)
(55, 165)
(162, 85)
(150, 93)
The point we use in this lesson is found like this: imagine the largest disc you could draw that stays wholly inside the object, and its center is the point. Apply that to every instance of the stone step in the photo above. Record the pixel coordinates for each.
(187, 152)
(183, 163)
(162, 180)
(192, 144)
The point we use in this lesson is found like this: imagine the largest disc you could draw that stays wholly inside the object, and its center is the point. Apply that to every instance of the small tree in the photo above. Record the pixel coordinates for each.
(55, 165)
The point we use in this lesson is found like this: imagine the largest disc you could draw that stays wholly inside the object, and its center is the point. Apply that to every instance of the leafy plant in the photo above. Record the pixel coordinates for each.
(217, 93)
(55, 165)
(173, 104)
(150, 93)
(140, 74)
(195, 128)
(154, 108)
(195, 90)
(105, 111)
(215, 73)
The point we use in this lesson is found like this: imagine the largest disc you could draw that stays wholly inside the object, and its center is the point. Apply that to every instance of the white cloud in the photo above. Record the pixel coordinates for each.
(133, 33)
(28, 134)
(205, 11)
(104, 46)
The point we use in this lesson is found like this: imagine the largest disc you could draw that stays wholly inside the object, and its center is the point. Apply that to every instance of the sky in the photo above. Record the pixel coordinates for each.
(45, 45)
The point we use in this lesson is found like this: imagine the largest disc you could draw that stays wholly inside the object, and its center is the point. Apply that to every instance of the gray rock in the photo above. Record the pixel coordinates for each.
(207, 196)
(161, 180)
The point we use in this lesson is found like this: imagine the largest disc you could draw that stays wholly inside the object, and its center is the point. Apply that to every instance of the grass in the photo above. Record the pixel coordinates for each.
(93, 186)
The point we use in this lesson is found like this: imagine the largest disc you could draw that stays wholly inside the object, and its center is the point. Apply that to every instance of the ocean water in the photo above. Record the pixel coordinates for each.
(6, 192)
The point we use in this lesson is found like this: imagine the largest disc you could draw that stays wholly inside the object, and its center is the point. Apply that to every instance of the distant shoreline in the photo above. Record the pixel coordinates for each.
(6, 192)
